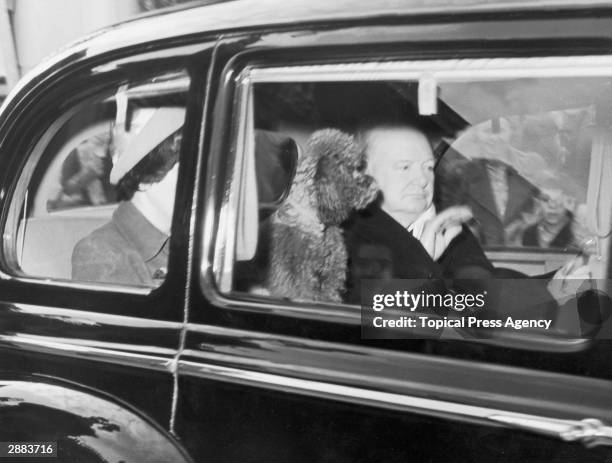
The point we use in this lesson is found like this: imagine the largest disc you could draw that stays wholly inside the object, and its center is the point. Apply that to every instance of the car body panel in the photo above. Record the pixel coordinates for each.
(87, 425)
(80, 345)
(382, 371)
(334, 357)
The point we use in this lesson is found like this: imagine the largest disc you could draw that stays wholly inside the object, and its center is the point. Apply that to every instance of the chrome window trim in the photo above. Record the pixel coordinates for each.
(79, 317)
(223, 263)
(71, 284)
(332, 313)
(98, 351)
(448, 70)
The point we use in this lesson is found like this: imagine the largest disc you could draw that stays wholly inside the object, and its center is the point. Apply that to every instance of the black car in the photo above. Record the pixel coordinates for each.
(205, 363)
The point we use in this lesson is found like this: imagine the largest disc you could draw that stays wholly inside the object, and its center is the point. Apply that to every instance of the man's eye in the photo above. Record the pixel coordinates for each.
(402, 165)
(429, 166)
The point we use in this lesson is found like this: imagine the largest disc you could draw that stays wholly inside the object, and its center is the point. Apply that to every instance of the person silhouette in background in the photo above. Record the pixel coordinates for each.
(84, 176)
(552, 227)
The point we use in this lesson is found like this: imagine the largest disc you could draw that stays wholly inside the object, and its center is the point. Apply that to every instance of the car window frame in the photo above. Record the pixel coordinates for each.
(112, 79)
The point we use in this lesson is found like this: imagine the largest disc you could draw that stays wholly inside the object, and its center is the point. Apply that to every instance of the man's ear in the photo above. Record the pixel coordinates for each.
(369, 170)
(371, 163)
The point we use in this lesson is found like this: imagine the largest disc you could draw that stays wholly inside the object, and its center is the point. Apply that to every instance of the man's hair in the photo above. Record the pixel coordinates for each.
(362, 132)
(152, 168)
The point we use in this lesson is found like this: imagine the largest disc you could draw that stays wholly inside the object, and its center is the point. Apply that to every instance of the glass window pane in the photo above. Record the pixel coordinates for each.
(95, 200)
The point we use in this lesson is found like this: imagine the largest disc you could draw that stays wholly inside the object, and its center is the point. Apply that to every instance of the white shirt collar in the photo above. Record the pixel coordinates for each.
(416, 227)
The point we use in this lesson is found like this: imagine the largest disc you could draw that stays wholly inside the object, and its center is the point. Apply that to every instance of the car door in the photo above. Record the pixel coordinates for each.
(88, 362)
(270, 378)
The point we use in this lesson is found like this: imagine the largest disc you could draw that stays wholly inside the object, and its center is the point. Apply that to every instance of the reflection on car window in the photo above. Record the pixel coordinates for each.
(84, 175)
(525, 182)
(98, 194)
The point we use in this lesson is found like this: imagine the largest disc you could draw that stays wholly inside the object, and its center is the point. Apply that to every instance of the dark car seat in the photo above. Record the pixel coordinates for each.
(276, 157)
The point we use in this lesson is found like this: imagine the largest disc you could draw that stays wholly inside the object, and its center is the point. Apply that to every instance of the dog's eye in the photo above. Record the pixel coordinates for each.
(361, 165)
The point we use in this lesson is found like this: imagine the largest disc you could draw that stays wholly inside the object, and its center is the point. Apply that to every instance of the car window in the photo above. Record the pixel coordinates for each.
(512, 155)
(95, 199)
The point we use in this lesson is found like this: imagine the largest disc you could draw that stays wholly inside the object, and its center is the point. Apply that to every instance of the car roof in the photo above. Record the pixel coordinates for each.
(232, 15)
(216, 16)
(213, 16)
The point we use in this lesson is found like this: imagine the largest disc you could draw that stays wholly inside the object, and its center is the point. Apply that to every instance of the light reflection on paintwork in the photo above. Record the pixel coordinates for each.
(92, 318)
(115, 432)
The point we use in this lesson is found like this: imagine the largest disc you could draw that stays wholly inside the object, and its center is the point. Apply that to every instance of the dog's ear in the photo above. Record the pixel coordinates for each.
(335, 154)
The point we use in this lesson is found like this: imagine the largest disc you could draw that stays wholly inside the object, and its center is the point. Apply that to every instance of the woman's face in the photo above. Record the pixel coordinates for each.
(554, 205)
(161, 196)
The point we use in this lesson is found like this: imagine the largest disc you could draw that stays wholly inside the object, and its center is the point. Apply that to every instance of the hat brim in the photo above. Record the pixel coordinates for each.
(163, 123)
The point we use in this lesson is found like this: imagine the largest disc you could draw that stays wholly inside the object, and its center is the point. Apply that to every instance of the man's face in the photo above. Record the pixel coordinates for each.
(401, 161)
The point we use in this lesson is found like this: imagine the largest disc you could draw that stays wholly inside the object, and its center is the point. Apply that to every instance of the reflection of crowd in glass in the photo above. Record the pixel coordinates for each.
(84, 175)
(524, 179)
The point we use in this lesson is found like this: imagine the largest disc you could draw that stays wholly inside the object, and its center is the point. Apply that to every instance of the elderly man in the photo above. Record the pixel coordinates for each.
(402, 236)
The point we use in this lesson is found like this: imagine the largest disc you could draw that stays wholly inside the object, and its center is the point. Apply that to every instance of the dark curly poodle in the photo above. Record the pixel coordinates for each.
(308, 254)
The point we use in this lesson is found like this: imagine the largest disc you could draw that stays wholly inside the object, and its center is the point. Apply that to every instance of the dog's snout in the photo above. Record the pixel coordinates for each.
(366, 191)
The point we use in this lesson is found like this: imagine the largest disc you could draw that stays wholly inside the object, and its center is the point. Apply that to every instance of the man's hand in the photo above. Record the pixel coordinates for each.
(568, 279)
(439, 231)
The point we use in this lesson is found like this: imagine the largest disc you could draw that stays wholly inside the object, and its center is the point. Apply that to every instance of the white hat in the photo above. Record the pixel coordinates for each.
(133, 146)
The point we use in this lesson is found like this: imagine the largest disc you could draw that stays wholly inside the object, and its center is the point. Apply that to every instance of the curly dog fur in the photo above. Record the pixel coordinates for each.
(308, 254)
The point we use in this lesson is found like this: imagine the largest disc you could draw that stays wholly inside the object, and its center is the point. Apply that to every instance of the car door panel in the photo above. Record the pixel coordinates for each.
(299, 384)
